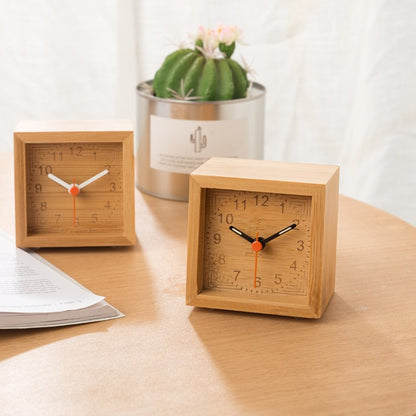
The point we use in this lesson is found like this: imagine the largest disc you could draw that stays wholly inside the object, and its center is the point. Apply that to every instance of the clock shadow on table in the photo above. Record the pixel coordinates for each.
(265, 358)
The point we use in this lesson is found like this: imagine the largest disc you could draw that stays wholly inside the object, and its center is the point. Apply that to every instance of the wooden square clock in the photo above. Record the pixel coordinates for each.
(74, 183)
(262, 236)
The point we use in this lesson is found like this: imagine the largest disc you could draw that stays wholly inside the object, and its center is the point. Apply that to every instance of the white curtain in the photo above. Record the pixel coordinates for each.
(340, 75)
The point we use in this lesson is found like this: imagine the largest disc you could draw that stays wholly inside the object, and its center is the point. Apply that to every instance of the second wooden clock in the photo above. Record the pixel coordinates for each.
(74, 184)
(262, 236)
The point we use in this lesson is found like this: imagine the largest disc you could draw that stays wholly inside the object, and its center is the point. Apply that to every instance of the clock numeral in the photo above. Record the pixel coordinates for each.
(294, 266)
(237, 273)
(258, 281)
(112, 187)
(38, 187)
(94, 218)
(242, 204)
(261, 200)
(221, 259)
(282, 205)
(301, 245)
(277, 279)
(217, 238)
(76, 150)
(43, 206)
(45, 169)
(58, 217)
(57, 156)
(227, 218)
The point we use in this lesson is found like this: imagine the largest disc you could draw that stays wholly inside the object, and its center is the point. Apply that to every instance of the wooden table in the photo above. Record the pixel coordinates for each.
(166, 358)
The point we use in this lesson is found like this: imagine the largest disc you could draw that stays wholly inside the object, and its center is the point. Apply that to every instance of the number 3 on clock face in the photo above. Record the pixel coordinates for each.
(74, 188)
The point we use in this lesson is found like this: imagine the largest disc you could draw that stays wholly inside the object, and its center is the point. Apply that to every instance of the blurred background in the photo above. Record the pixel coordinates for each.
(340, 75)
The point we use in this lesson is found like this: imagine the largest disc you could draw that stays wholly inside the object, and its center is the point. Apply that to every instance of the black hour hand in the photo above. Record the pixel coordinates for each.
(241, 234)
(279, 233)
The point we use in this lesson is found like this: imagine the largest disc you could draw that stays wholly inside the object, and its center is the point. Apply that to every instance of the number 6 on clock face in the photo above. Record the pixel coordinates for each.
(262, 236)
(74, 187)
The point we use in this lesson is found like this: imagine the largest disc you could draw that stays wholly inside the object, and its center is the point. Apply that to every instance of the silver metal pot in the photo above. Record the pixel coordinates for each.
(174, 137)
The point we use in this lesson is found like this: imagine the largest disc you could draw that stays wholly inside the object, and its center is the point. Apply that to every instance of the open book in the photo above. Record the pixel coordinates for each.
(35, 294)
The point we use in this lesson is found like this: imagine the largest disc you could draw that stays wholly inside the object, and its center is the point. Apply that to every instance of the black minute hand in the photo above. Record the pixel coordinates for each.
(279, 233)
(241, 234)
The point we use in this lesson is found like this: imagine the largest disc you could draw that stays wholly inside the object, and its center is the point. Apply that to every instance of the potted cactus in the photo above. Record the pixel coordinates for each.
(200, 104)
(205, 73)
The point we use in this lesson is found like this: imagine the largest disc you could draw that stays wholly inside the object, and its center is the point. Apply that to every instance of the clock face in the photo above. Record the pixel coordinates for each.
(74, 188)
(257, 244)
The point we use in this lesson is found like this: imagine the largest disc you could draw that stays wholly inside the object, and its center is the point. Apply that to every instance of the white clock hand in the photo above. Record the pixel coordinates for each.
(241, 234)
(94, 178)
(59, 181)
(279, 233)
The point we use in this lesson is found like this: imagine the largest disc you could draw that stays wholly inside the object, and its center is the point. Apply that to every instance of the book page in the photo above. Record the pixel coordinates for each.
(28, 284)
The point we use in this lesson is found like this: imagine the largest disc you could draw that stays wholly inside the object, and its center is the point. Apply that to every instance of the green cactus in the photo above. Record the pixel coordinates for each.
(193, 74)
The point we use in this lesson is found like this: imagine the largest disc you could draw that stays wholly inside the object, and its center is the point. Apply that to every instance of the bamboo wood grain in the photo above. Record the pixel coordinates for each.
(166, 358)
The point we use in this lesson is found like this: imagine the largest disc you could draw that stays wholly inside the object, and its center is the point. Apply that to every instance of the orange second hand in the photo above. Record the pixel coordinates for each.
(73, 209)
(73, 205)
(255, 262)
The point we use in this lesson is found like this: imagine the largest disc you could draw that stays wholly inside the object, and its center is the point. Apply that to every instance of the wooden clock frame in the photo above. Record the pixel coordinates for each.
(86, 131)
(320, 182)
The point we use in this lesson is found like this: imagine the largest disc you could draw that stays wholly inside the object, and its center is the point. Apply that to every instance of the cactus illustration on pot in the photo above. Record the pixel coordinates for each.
(199, 140)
